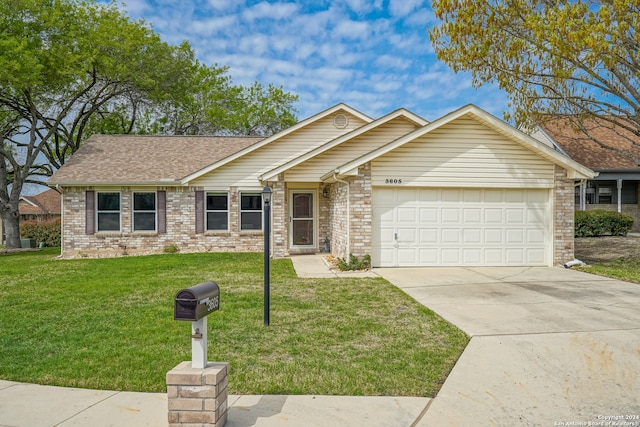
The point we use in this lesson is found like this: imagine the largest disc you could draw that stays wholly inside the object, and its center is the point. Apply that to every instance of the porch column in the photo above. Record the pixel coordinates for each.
(279, 223)
(619, 194)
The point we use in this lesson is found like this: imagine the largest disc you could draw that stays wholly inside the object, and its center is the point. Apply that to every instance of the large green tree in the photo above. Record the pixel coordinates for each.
(570, 58)
(69, 68)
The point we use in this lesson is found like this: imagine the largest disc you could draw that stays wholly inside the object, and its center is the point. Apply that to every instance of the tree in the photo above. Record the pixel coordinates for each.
(61, 62)
(575, 59)
(70, 68)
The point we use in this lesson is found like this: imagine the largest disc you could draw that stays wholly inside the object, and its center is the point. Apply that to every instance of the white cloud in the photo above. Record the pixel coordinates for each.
(226, 5)
(392, 61)
(402, 8)
(264, 10)
(352, 30)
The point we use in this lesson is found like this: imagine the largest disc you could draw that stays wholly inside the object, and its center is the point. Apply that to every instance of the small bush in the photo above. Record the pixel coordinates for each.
(171, 249)
(602, 223)
(354, 263)
(42, 232)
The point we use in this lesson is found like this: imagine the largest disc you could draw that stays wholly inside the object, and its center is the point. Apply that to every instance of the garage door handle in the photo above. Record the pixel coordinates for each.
(395, 236)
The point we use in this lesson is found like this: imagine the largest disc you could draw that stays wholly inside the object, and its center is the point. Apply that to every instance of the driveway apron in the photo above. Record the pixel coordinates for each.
(549, 346)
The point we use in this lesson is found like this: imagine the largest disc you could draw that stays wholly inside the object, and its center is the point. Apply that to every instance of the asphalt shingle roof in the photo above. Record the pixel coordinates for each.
(140, 159)
(47, 202)
(607, 153)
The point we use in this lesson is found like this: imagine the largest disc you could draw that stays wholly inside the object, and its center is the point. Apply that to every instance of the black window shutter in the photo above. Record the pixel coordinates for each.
(162, 212)
(90, 212)
(199, 211)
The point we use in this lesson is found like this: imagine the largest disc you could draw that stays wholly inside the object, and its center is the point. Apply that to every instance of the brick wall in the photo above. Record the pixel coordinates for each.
(180, 215)
(360, 212)
(352, 220)
(564, 230)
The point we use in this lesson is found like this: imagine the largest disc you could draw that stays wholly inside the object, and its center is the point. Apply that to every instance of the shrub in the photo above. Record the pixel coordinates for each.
(171, 249)
(354, 263)
(42, 232)
(602, 223)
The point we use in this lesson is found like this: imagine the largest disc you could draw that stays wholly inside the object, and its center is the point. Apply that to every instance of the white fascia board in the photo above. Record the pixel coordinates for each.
(275, 137)
(273, 174)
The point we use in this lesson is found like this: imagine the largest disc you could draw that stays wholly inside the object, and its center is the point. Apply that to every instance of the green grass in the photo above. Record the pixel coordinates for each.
(108, 324)
(627, 268)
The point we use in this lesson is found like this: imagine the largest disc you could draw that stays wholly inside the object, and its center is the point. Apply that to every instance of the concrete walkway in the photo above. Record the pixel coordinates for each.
(549, 345)
(28, 405)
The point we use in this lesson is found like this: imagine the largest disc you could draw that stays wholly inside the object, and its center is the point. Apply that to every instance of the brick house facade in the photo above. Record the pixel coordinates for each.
(347, 188)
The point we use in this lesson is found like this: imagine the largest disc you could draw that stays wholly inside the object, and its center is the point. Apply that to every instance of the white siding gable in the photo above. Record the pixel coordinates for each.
(245, 171)
(463, 153)
(313, 169)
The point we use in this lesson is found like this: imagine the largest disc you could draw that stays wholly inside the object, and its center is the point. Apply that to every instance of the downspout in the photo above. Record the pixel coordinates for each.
(59, 189)
(335, 176)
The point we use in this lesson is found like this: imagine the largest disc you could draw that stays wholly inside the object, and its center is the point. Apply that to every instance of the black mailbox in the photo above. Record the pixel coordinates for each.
(196, 302)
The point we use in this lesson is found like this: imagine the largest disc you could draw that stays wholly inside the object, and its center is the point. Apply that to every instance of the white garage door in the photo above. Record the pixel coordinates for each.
(460, 227)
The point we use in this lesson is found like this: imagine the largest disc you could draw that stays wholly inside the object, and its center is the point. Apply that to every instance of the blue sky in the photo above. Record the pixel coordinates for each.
(373, 55)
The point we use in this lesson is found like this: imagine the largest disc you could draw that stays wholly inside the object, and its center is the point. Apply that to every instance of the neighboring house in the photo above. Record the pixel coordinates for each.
(42, 207)
(464, 190)
(611, 151)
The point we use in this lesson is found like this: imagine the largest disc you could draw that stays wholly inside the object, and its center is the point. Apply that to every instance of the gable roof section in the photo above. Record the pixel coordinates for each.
(575, 169)
(608, 153)
(144, 159)
(277, 136)
(269, 176)
(47, 202)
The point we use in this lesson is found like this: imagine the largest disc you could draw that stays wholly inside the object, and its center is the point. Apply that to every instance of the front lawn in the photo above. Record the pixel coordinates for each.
(108, 324)
(611, 256)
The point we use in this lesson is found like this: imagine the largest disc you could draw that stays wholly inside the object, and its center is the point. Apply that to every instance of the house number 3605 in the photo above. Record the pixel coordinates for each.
(393, 181)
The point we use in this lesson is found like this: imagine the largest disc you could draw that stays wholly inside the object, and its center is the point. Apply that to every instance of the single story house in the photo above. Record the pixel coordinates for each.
(464, 190)
(611, 151)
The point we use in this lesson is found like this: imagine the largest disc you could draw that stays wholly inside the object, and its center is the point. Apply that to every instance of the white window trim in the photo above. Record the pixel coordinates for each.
(261, 210)
(206, 212)
(98, 211)
(133, 211)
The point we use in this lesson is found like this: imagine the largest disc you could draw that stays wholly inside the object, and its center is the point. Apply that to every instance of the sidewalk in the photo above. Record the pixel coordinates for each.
(29, 405)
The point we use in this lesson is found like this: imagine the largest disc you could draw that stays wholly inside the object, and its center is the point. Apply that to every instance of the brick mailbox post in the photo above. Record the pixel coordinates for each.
(197, 390)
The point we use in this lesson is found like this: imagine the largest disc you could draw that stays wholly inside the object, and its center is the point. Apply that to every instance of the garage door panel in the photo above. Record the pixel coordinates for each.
(428, 235)
(408, 236)
(515, 216)
(429, 215)
(493, 256)
(535, 236)
(451, 235)
(493, 235)
(472, 215)
(515, 236)
(515, 256)
(454, 226)
(472, 235)
(450, 215)
(492, 215)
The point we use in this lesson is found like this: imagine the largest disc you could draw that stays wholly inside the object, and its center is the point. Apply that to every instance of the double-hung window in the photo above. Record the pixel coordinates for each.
(251, 211)
(144, 211)
(217, 212)
(108, 212)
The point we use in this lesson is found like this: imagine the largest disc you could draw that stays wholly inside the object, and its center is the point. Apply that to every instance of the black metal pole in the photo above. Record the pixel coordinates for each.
(267, 259)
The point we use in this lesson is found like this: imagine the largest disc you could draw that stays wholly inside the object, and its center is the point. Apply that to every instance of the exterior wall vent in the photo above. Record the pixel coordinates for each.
(340, 121)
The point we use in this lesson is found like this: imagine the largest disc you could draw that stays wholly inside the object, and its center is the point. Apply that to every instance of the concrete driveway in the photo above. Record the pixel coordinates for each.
(549, 346)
